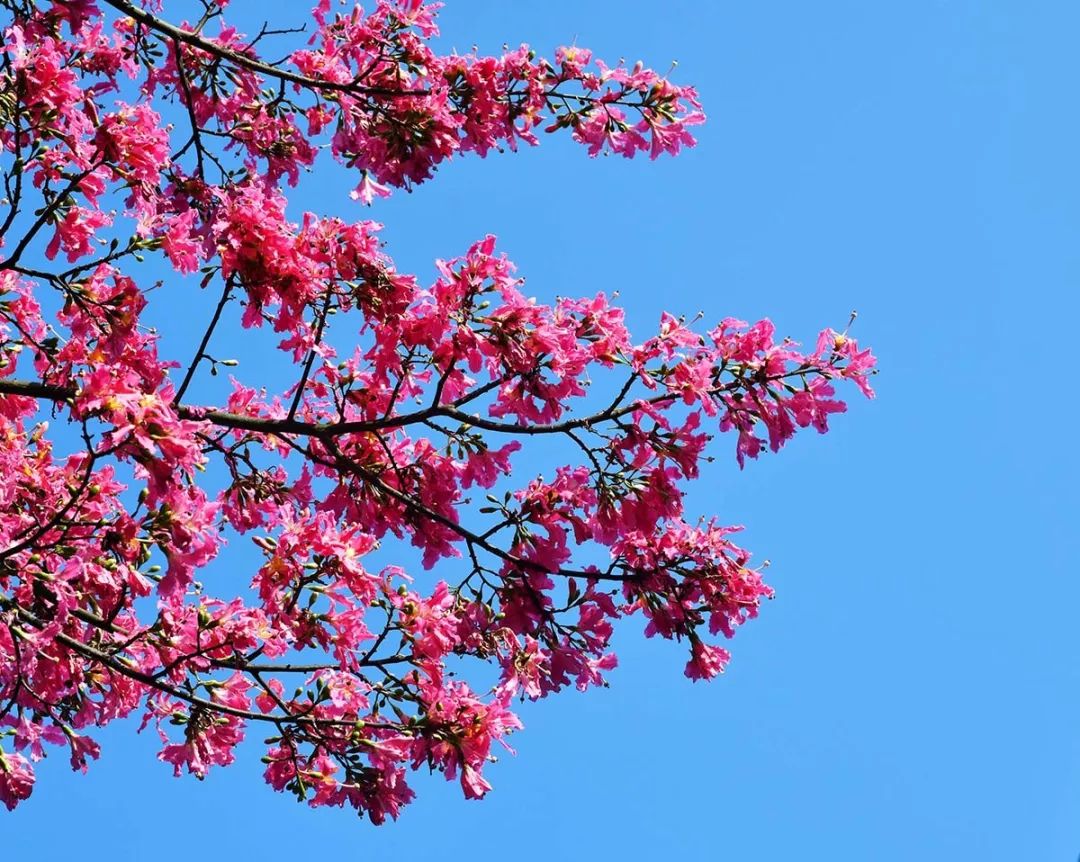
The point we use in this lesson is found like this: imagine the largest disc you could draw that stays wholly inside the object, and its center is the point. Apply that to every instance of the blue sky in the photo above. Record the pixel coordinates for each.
(913, 692)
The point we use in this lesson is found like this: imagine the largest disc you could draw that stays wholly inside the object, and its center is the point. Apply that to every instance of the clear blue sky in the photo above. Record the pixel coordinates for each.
(914, 690)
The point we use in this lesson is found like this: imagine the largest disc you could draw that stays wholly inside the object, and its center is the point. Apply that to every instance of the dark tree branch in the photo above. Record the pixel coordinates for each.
(176, 34)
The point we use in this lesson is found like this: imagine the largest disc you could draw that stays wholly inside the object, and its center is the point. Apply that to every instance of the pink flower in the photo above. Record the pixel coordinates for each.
(706, 661)
(368, 190)
(75, 232)
(180, 244)
(473, 783)
(16, 779)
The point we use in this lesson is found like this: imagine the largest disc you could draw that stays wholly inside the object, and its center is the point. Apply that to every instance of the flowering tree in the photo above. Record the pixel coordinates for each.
(126, 134)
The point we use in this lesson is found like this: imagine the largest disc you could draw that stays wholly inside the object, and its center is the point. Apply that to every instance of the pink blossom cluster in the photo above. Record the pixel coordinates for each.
(408, 437)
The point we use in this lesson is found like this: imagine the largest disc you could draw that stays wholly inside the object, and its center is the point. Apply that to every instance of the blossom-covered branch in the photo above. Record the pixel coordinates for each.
(126, 135)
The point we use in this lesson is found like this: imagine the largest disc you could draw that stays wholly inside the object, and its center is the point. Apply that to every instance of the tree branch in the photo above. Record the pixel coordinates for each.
(176, 34)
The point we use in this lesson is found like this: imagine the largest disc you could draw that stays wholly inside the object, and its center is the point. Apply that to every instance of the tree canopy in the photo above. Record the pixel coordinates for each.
(408, 420)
